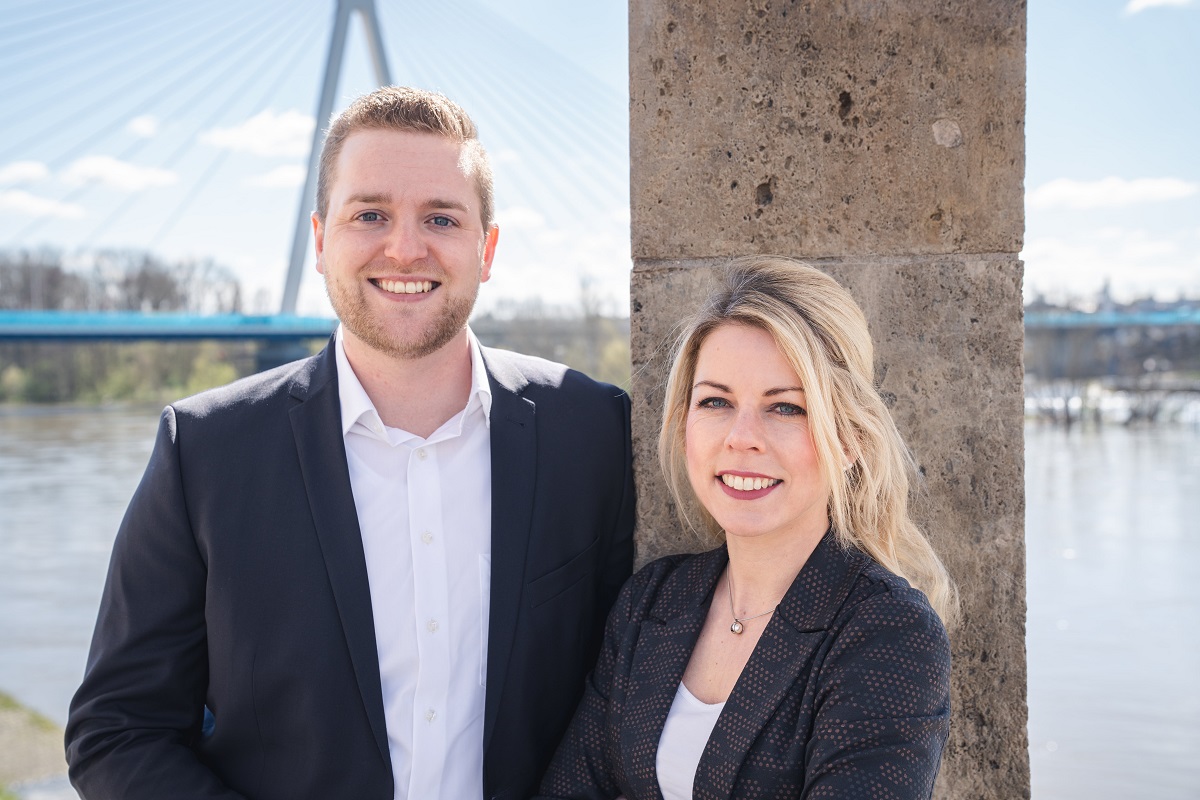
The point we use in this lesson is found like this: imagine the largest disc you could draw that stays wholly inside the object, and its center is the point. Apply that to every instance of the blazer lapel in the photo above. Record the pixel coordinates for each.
(782, 655)
(514, 473)
(316, 424)
(665, 643)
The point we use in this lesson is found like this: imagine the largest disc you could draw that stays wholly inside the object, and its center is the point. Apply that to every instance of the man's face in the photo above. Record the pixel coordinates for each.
(402, 247)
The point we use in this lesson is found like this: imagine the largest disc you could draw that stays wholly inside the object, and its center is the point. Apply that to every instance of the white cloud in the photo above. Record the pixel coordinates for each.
(23, 172)
(288, 176)
(287, 133)
(116, 174)
(1134, 6)
(20, 202)
(145, 126)
(1108, 192)
(1137, 263)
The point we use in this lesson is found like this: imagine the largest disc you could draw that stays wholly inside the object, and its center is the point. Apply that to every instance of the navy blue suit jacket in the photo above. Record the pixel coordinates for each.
(238, 584)
(846, 695)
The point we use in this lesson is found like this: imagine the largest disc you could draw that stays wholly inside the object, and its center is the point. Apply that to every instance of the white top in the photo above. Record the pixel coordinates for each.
(424, 510)
(689, 724)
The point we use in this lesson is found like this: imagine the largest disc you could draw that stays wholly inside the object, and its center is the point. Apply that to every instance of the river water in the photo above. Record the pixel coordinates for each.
(1113, 539)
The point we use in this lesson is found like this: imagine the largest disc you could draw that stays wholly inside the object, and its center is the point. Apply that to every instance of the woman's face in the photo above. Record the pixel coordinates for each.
(750, 454)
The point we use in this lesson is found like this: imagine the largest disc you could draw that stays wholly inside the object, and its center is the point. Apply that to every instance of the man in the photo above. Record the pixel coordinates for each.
(382, 571)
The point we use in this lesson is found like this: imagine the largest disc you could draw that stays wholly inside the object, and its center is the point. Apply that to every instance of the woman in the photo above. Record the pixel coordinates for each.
(797, 659)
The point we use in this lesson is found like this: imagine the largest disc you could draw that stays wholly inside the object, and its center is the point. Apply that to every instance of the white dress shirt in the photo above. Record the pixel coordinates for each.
(424, 510)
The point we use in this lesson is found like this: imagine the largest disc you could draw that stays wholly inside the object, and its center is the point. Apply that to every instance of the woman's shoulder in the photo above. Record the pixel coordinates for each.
(670, 584)
(883, 612)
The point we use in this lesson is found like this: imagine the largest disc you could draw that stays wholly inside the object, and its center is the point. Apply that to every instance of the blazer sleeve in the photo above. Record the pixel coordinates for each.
(883, 703)
(136, 718)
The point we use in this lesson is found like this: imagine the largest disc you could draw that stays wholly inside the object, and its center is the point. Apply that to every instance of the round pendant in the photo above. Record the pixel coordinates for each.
(736, 627)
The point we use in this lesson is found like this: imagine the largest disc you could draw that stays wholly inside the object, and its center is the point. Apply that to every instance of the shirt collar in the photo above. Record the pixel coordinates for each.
(357, 407)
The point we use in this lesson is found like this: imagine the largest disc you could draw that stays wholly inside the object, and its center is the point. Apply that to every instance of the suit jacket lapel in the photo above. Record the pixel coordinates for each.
(316, 424)
(514, 473)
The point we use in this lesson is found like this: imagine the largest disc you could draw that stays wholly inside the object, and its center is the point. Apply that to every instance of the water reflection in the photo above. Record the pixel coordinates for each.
(65, 478)
(1113, 630)
(1114, 607)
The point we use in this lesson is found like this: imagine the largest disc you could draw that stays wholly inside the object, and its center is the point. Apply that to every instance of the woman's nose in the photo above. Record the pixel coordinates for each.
(745, 431)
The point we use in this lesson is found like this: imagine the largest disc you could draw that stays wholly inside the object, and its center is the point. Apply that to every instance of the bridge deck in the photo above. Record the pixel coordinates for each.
(132, 325)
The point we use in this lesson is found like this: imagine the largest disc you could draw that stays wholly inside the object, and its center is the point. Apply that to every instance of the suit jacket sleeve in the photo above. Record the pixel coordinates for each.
(882, 706)
(587, 765)
(618, 561)
(135, 719)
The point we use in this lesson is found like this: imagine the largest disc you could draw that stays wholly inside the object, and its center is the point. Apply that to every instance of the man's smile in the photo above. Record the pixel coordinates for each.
(405, 287)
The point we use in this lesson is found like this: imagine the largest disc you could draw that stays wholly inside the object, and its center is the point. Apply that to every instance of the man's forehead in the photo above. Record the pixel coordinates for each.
(382, 163)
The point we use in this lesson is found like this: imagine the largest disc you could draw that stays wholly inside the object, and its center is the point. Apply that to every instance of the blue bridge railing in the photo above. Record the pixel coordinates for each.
(132, 325)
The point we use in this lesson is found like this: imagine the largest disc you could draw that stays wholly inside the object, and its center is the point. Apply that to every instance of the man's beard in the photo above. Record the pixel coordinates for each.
(370, 328)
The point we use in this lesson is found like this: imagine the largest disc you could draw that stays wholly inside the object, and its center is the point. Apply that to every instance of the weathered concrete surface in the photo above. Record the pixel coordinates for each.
(883, 142)
(879, 127)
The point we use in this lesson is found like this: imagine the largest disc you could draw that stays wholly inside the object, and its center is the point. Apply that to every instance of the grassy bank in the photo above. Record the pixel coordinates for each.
(31, 746)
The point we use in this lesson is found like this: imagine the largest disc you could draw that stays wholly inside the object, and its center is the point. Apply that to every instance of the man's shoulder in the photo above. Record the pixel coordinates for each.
(525, 374)
(262, 391)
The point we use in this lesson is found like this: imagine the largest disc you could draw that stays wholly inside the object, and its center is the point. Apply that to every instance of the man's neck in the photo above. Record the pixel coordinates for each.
(414, 395)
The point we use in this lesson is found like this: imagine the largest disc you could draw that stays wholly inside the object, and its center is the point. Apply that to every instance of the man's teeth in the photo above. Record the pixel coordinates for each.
(747, 484)
(405, 287)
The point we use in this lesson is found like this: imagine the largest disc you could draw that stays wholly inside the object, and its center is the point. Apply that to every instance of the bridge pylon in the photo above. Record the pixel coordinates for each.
(333, 70)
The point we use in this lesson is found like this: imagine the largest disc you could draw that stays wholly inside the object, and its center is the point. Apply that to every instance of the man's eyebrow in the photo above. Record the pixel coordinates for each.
(370, 197)
(447, 204)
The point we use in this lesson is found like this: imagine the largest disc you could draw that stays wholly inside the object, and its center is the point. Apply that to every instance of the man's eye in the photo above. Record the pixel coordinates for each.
(442, 222)
(370, 216)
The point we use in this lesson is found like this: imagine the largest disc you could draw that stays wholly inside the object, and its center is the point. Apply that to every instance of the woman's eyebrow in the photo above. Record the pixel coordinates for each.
(782, 390)
(720, 387)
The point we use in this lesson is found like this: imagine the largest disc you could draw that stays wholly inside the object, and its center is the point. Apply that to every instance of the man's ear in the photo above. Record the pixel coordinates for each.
(318, 241)
(489, 252)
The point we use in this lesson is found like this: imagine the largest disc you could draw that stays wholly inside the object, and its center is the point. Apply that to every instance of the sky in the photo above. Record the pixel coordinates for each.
(184, 130)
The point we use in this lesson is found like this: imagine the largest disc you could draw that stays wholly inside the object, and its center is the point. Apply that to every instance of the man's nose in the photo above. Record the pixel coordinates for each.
(405, 243)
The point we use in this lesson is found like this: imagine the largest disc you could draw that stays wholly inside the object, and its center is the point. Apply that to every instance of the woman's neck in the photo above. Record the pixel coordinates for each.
(762, 568)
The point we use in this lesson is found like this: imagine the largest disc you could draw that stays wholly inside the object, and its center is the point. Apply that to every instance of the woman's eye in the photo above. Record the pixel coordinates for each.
(790, 410)
(713, 402)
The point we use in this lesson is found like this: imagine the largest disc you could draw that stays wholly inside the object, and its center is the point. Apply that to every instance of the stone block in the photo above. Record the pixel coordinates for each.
(826, 129)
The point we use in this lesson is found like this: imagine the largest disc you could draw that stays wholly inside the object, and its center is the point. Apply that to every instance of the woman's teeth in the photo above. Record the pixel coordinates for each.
(747, 484)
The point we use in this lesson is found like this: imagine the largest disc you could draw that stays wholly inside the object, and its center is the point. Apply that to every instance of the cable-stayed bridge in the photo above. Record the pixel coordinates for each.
(186, 130)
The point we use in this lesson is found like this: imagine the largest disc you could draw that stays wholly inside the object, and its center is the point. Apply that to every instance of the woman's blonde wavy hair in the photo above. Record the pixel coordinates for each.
(823, 334)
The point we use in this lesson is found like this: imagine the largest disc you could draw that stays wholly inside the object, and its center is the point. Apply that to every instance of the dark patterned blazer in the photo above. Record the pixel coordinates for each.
(846, 695)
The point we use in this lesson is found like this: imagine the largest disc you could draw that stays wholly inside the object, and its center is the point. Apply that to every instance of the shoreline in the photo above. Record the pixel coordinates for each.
(31, 746)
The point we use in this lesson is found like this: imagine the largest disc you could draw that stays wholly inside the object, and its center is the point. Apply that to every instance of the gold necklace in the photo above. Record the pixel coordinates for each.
(737, 626)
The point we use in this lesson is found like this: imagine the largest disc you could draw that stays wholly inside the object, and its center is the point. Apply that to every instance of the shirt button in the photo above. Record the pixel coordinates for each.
(430, 715)
(426, 537)
(421, 454)
(432, 625)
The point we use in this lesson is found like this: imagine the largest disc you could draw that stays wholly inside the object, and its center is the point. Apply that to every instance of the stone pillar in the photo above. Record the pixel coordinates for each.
(882, 141)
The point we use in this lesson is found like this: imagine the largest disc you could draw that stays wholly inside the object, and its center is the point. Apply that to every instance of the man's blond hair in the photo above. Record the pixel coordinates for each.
(403, 108)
